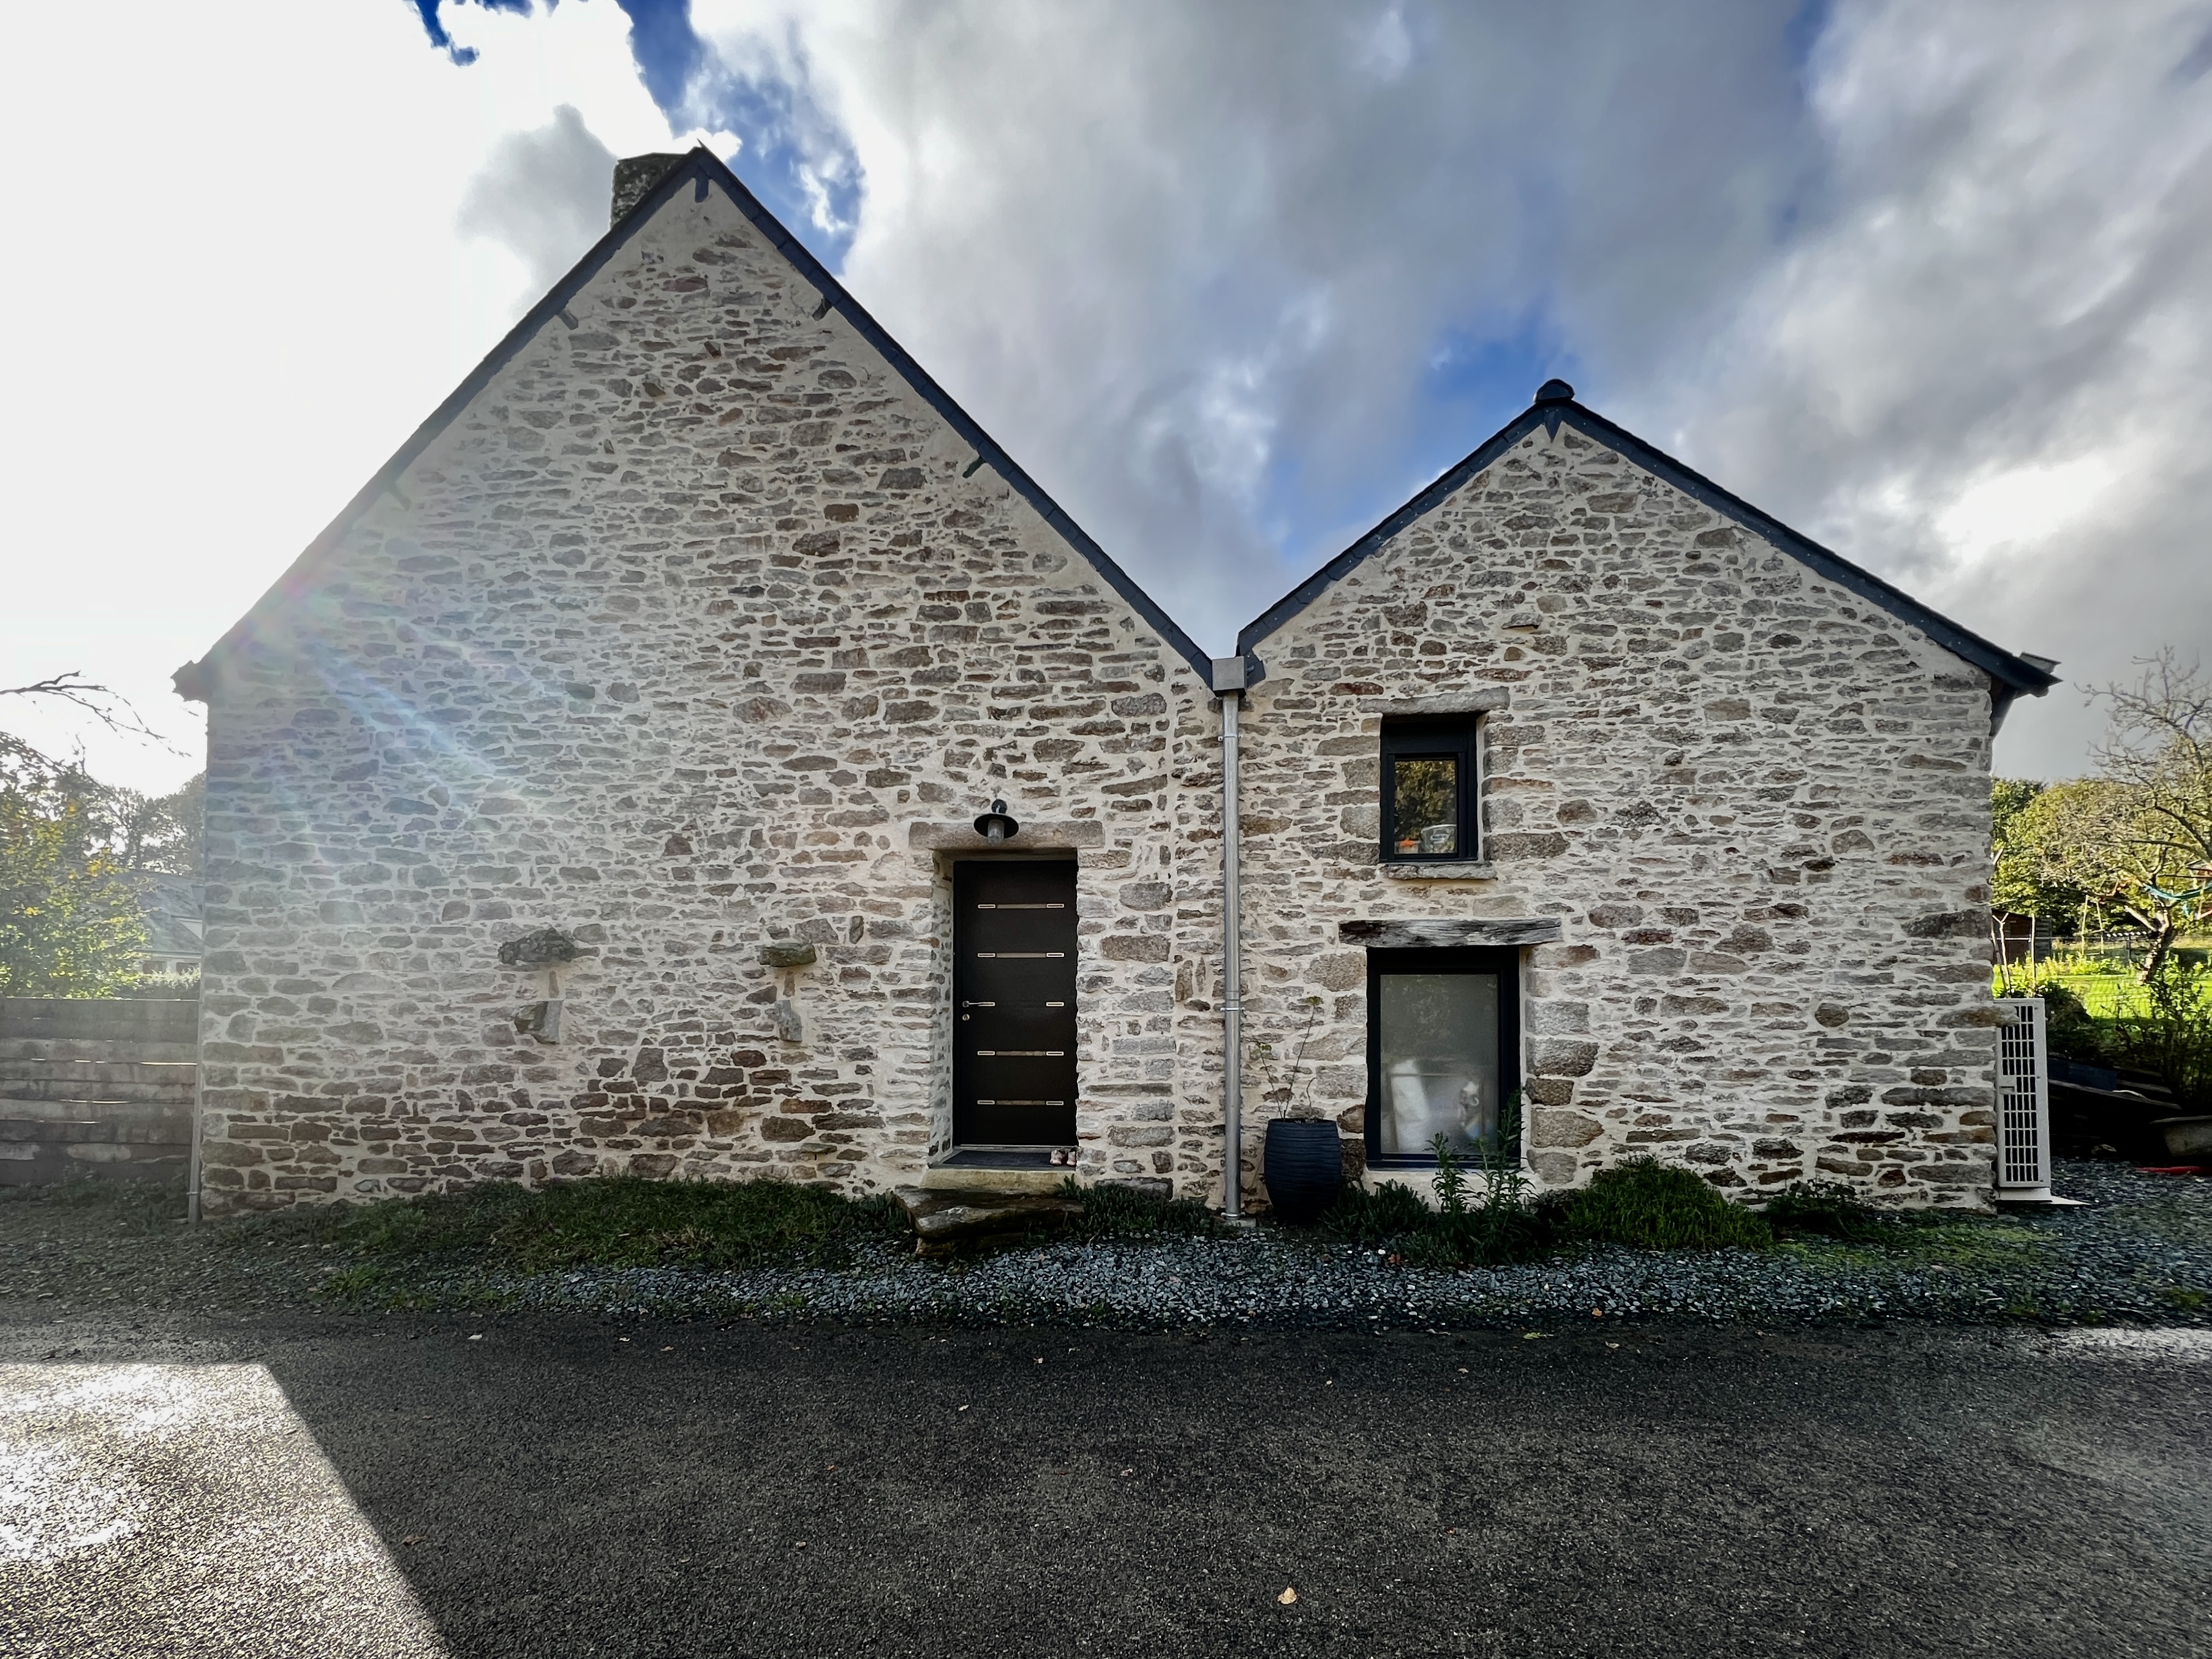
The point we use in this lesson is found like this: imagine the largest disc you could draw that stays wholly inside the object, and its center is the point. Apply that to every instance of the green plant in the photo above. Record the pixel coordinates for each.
(1388, 1214)
(1650, 1206)
(1113, 1209)
(1462, 1229)
(1827, 1208)
(617, 1221)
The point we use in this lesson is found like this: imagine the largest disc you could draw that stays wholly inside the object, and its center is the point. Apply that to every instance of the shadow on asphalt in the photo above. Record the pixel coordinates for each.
(567, 1488)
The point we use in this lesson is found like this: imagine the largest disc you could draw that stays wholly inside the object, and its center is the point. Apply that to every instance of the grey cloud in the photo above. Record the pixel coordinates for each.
(1985, 370)
(1938, 295)
(543, 195)
(1193, 263)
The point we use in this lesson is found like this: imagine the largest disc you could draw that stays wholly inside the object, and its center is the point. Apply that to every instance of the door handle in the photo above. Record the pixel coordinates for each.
(979, 1005)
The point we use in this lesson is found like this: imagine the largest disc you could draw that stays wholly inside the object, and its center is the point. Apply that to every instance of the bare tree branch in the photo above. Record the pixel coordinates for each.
(104, 704)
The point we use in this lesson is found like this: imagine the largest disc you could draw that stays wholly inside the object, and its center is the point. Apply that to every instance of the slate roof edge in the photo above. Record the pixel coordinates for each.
(700, 168)
(2010, 672)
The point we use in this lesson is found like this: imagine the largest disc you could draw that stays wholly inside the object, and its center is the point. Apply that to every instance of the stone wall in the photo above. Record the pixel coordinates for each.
(696, 628)
(98, 1087)
(1756, 803)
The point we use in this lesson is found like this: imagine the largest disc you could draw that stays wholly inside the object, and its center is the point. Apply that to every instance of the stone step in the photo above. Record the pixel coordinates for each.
(946, 1221)
(981, 1178)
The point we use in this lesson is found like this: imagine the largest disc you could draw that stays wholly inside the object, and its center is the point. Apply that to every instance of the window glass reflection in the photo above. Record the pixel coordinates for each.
(1425, 805)
(1439, 1061)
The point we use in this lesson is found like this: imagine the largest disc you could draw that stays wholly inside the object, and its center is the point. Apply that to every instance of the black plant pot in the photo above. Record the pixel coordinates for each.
(1303, 1168)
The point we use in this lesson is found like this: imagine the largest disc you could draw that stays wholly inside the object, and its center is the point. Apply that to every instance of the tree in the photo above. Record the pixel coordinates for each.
(2024, 879)
(70, 923)
(2158, 746)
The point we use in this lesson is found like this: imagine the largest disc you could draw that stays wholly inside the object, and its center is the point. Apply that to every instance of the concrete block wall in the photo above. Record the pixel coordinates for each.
(96, 1087)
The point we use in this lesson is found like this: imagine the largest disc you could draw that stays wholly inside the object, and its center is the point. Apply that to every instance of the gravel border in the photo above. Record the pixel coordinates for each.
(2118, 1260)
(2139, 1252)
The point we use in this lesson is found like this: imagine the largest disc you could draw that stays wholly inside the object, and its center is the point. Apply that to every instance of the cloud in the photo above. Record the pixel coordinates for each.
(1232, 280)
(1225, 276)
(1930, 282)
(1983, 364)
(543, 195)
(227, 328)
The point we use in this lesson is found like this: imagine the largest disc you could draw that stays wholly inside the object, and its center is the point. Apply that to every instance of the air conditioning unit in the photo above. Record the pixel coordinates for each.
(2023, 1104)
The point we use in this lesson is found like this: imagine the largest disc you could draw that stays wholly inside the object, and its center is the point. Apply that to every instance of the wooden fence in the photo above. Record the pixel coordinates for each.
(100, 1087)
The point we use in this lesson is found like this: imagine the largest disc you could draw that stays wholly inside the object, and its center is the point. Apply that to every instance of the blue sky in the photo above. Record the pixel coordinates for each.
(1933, 283)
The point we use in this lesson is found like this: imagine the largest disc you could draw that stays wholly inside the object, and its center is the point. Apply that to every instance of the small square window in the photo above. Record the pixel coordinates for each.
(1430, 794)
(1443, 1050)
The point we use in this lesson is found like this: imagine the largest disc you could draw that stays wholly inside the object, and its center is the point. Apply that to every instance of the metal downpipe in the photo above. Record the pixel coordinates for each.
(1229, 683)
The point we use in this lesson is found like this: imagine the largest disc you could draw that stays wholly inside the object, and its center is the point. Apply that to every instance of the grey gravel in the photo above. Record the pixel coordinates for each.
(2140, 1251)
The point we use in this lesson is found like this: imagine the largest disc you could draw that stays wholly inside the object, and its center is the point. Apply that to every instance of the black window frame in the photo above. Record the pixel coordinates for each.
(1420, 738)
(1504, 961)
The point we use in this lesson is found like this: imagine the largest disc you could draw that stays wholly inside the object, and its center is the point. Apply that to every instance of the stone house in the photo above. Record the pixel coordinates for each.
(701, 750)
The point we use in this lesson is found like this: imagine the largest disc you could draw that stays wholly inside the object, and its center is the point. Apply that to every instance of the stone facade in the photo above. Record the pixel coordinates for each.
(695, 630)
(1755, 804)
(700, 621)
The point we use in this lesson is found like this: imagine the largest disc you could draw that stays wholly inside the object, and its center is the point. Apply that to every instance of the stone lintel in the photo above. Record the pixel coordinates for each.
(1481, 701)
(1448, 935)
(1032, 837)
(1439, 871)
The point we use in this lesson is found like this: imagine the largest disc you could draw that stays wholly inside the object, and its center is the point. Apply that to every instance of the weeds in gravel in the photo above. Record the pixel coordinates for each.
(620, 1221)
(1113, 1209)
(1650, 1205)
(1825, 1209)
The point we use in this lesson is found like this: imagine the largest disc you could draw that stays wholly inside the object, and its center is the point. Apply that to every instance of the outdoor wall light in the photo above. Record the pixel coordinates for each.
(995, 826)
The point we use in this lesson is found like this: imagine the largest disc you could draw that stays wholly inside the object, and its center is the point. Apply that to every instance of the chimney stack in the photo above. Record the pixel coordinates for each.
(634, 177)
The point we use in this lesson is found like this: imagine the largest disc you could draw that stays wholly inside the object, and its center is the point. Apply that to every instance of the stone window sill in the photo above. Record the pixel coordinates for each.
(1439, 871)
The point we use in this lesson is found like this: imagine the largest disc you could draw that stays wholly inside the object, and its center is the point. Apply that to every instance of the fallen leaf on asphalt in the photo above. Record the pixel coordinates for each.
(479, 1337)
(1530, 1336)
(1288, 1596)
(964, 1408)
(412, 1539)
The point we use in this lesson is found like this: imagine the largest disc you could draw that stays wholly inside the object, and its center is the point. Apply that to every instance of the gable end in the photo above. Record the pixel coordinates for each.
(2010, 675)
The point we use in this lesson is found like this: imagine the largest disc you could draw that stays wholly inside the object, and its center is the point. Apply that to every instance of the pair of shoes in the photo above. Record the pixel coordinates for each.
(1068, 1157)
(1059, 1157)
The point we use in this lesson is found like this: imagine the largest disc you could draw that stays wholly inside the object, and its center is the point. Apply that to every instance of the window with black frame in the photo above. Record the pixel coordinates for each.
(1443, 1050)
(1429, 791)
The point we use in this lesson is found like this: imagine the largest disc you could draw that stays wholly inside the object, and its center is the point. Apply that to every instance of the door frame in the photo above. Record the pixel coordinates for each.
(951, 863)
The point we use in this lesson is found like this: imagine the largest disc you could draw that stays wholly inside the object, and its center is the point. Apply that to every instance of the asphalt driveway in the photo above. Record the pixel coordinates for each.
(385, 1485)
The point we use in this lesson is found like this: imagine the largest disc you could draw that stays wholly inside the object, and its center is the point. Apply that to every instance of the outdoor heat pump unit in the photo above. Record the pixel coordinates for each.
(2023, 1103)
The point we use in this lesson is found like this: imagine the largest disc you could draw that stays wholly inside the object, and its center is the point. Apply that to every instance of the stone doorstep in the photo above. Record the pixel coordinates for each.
(982, 1178)
(944, 1221)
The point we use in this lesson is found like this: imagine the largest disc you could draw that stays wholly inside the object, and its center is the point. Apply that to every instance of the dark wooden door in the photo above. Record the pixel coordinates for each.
(1013, 995)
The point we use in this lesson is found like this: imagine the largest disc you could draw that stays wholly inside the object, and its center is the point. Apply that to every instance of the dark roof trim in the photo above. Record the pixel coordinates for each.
(2011, 674)
(702, 169)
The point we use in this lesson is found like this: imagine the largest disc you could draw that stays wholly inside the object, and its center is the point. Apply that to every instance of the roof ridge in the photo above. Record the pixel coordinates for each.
(702, 168)
(1552, 411)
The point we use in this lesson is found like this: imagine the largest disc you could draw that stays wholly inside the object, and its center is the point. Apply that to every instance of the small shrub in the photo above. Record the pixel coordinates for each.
(2069, 1028)
(617, 1221)
(1389, 1213)
(1650, 1205)
(1461, 1231)
(1113, 1209)
(1828, 1208)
